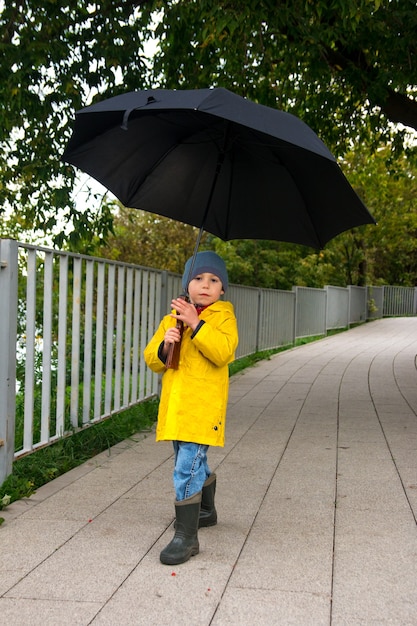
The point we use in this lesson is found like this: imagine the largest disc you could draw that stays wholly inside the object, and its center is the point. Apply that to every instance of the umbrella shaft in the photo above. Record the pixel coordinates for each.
(220, 159)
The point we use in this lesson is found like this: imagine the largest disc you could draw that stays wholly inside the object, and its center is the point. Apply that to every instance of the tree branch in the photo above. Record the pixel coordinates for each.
(397, 107)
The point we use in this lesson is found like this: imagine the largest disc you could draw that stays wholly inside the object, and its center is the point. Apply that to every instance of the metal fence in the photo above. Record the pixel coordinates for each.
(337, 312)
(73, 329)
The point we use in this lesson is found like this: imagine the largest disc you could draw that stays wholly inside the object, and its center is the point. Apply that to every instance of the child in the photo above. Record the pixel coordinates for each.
(192, 410)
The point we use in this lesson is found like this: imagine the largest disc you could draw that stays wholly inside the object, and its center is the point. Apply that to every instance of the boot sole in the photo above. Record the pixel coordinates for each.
(172, 561)
(207, 524)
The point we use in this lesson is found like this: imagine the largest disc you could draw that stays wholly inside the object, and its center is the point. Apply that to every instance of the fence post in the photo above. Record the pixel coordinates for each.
(295, 292)
(259, 318)
(8, 331)
(163, 294)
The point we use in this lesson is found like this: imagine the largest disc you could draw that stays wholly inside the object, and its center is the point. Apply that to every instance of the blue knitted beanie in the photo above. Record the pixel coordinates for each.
(206, 261)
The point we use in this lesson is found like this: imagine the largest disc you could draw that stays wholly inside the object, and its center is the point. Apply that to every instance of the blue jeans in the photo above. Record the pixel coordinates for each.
(191, 469)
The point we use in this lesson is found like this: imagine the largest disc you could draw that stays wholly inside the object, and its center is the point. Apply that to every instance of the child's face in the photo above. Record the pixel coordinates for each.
(205, 289)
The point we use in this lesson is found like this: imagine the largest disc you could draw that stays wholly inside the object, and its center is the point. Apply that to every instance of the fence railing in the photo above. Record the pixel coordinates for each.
(73, 329)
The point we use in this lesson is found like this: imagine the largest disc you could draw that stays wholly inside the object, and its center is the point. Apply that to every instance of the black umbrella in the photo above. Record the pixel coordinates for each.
(217, 161)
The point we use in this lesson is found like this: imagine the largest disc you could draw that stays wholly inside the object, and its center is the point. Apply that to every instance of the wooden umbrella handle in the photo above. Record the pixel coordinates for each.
(173, 356)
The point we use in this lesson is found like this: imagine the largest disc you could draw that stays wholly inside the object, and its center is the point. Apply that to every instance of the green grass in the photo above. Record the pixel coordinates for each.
(247, 361)
(40, 467)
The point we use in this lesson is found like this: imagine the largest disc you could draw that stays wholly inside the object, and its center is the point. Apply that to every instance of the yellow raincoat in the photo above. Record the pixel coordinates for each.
(194, 397)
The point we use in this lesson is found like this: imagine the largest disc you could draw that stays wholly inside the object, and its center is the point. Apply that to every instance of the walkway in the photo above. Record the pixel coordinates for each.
(317, 502)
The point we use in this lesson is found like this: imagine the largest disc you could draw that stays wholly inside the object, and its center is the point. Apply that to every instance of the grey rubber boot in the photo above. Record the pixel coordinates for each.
(208, 513)
(185, 542)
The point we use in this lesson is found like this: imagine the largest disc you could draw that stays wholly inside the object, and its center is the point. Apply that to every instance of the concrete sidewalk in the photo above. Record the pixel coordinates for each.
(316, 497)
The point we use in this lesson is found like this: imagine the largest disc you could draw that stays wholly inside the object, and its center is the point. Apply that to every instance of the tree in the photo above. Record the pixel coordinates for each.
(146, 239)
(269, 264)
(347, 67)
(389, 188)
(56, 57)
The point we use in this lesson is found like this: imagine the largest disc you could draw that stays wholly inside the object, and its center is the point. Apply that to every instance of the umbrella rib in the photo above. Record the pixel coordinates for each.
(172, 148)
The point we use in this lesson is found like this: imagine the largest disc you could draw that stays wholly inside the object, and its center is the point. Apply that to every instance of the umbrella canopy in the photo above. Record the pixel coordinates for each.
(217, 161)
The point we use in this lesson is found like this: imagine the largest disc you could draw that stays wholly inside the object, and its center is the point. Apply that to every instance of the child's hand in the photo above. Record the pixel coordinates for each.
(186, 312)
(172, 335)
